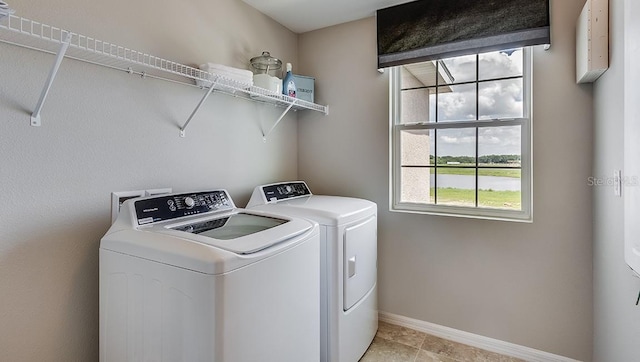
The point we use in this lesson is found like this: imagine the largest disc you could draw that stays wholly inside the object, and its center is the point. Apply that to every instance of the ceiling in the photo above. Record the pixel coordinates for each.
(301, 16)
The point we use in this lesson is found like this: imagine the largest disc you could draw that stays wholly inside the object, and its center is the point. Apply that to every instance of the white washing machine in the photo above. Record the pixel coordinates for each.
(348, 263)
(190, 277)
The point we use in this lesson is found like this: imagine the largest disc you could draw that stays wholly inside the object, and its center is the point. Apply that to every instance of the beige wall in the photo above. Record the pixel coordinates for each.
(104, 130)
(529, 284)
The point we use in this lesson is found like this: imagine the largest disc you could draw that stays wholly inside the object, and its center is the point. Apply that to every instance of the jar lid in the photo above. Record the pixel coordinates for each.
(266, 62)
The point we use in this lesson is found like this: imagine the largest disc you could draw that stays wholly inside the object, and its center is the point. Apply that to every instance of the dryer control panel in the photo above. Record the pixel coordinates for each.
(167, 207)
(286, 190)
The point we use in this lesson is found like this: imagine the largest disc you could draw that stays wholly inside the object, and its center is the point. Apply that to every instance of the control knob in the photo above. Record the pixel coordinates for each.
(189, 202)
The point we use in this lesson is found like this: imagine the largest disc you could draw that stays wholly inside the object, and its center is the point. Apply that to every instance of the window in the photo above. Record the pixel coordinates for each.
(461, 136)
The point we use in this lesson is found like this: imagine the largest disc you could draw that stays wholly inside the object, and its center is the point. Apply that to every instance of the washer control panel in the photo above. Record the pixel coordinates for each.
(167, 207)
(286, 190)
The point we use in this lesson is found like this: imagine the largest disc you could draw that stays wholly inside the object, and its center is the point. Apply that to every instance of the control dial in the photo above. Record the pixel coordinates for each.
(189, 202)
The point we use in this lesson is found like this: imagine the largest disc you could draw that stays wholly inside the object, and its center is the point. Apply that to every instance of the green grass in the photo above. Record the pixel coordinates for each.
(486, 198)
(499, 172)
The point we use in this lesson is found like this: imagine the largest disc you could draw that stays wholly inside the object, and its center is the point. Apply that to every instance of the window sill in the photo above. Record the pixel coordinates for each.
(464, 212)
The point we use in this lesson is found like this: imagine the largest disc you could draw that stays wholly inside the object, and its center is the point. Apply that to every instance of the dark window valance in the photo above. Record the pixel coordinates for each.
(434, 29)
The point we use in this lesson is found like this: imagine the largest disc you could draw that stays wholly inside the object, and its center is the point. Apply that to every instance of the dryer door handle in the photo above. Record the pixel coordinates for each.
(352, 266)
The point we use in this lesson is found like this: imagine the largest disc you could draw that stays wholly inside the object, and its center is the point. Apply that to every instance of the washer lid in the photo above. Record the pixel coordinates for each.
(241, 233)
(160, 243)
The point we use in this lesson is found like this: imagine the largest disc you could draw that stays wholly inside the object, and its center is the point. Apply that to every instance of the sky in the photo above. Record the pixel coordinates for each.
(497, 99)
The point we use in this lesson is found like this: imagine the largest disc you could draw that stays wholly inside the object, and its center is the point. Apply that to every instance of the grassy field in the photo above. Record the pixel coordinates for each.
(500, 172)
(493, 199)
(486, 198)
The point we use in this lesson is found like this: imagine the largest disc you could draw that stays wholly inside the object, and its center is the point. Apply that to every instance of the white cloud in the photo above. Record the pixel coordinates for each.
(500, 99)
(457, 142)
(458, 105)
(499, 140)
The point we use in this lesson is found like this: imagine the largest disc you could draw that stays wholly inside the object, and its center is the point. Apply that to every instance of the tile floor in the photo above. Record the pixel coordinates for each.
(393, 343)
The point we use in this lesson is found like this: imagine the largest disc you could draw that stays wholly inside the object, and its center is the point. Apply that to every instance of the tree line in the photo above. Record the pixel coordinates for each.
(494, 159)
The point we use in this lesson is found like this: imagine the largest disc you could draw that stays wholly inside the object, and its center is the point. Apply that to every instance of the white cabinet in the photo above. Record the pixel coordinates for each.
(592, 41)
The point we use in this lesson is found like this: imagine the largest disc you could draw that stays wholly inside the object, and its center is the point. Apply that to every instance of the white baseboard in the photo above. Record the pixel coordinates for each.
(475, 340)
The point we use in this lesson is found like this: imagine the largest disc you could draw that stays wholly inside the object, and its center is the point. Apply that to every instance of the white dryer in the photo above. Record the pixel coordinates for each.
(190, 277)
(348, 263)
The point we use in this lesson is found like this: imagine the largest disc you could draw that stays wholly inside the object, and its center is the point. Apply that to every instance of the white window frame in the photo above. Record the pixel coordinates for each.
(523, 215)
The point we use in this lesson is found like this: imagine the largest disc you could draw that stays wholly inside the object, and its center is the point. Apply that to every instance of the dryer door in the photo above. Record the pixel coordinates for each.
(360, 260)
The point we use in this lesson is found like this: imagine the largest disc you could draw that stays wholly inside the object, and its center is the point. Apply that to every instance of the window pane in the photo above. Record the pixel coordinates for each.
(500, 146)
(501, 64)
(457, 70)
(418, 75)
(456, 146)
(500, 99)
(500, 188)
(457, 103)
(418, 105)
(415, 185)
(417, 147)
(455, 186)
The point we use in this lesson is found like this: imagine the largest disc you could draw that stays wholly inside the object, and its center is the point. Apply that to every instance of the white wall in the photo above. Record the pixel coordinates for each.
(529, 284)
(104, 130)
(616, 318)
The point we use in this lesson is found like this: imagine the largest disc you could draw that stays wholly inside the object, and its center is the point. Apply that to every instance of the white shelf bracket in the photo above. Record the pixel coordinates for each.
(206, 95)
(264, 136)
(35, 116)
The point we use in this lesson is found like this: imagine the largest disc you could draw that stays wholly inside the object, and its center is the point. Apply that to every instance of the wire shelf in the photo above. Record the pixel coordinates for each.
(230, 86)
(34, 35)
(42, 37)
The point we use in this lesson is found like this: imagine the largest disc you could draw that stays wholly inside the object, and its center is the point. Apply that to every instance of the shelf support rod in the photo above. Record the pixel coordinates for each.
(264, 136)
(35, 116)
(206, 95)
